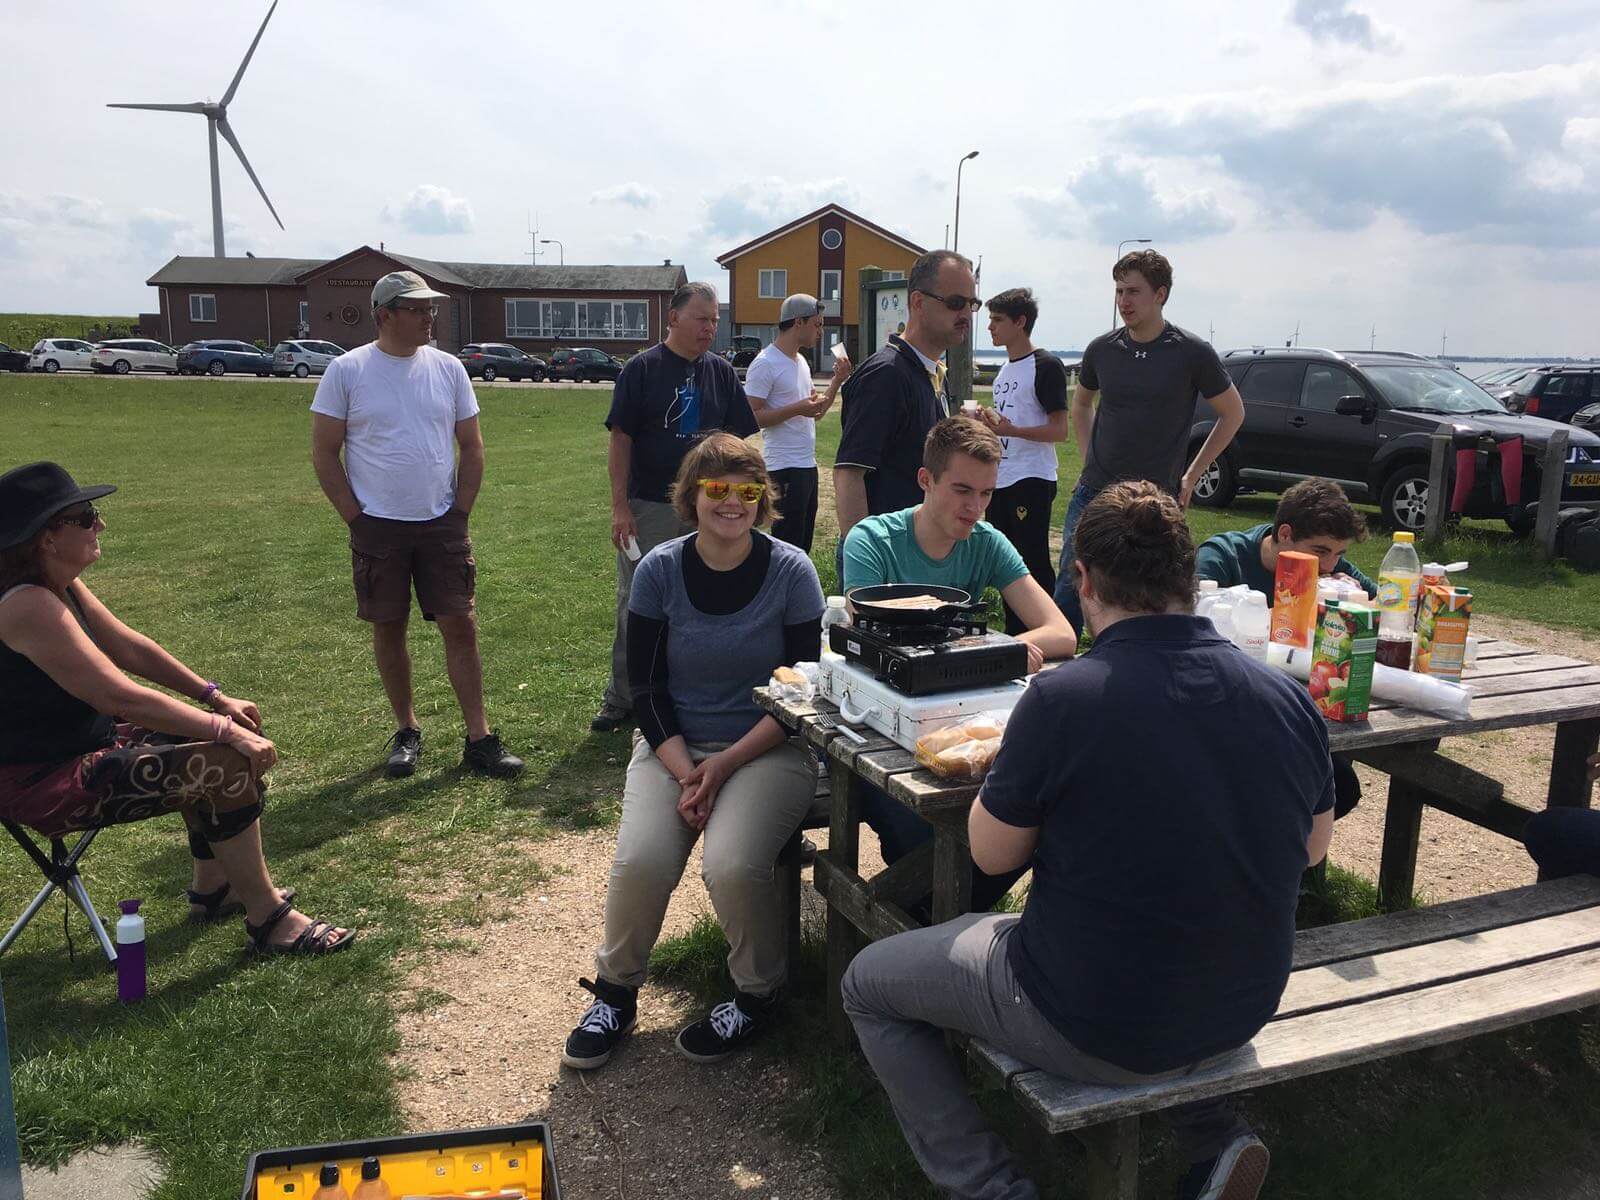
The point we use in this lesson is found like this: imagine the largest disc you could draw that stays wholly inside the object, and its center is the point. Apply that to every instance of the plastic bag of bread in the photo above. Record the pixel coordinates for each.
(964, 750)
(796, 684)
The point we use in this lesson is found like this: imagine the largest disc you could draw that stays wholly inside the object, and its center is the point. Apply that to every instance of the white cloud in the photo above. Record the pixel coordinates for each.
(633, 194)
(1112, 198)
(1239, 47)
(430, 209)
(758, 205)
(1337, 21)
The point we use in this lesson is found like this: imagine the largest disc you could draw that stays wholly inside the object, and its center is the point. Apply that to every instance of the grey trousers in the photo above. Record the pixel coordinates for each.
(657, 523)
(756, 811)
(904, 991)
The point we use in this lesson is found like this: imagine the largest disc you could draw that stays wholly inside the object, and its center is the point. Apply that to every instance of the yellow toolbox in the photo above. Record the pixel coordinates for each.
(504, 1162)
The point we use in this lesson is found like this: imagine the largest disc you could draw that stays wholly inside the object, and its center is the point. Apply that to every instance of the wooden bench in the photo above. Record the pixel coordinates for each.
(1360, 991)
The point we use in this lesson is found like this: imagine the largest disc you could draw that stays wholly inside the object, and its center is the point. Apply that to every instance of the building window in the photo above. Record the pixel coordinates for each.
(894, 275)
(832, 239)
(305, 314)
(202, 308)
(832, 285)
(773, 285)
(579, 320)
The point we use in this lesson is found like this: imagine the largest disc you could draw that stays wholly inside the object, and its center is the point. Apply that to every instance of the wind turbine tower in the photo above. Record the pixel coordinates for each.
(216, 116)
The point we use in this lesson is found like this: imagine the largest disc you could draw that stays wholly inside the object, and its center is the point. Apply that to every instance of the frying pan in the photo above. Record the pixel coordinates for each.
(957, 606)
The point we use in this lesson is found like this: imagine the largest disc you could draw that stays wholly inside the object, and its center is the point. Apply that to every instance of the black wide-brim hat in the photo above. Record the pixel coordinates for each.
(31, 495)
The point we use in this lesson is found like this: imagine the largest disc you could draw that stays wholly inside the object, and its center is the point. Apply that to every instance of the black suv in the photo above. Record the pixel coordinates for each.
(496, 360)
(584, 364)
(1365, 419)
(1555, 393)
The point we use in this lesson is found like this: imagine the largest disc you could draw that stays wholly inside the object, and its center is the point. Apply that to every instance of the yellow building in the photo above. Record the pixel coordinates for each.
(821, 253)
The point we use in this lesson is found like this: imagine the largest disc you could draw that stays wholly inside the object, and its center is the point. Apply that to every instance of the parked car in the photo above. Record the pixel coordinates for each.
(743, 350)
(1555, 393)
(1588, 418)
(496, 360)
(584, 364)
(122, 355)
(60, 354)
(219, 356)
(1365, 419)
(303, 357)
(13, 360)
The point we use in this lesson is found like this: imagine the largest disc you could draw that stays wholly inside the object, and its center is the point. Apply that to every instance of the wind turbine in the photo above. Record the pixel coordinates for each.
(216, 116)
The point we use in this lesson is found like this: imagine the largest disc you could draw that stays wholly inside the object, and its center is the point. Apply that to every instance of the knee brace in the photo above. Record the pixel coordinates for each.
(220, 825)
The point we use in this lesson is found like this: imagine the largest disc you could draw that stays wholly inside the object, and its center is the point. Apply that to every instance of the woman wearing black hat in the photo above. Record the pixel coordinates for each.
(77, 743)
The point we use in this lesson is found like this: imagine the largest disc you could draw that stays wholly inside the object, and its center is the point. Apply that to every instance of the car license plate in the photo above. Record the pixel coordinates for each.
(1584, 479)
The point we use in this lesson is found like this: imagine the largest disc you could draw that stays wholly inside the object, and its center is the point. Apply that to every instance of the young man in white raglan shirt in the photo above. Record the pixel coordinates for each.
(1030, 415)
(786, 406)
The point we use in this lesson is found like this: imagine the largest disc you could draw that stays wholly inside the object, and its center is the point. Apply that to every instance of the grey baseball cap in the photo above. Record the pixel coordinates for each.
(403, 285)
(798, 307)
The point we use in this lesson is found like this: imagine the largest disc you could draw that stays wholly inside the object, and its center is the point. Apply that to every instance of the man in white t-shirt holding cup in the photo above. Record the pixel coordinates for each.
(787, 407)
(399, 409)
(1030, 415)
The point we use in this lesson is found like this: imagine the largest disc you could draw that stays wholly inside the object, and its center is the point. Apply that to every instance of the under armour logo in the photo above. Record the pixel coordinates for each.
(1141, 354)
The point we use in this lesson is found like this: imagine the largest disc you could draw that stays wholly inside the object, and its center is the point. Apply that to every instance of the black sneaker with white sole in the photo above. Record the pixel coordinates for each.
(604, 1024)
(405, 747)
(727, 1027)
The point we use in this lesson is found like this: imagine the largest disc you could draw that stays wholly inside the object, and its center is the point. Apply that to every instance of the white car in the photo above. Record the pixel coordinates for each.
(60, 354)
(302, 357)
(134, 354)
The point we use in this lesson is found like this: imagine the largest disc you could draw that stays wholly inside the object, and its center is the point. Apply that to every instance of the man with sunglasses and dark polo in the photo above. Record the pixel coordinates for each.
(898, 395)
(400, 410)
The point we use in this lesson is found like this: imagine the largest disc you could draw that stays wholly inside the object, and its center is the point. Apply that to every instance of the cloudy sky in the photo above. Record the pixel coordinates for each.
(1423, 167)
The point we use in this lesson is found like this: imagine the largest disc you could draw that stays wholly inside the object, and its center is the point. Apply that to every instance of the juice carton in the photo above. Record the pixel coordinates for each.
(1442, 620)
(1342, 662)
(1294, 599)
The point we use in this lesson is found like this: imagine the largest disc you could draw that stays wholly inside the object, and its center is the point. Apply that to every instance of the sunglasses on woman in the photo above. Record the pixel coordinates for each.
(718, 489)
(83, 518)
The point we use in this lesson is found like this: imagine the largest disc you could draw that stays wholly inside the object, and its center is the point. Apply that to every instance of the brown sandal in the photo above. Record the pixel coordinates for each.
(315, 939)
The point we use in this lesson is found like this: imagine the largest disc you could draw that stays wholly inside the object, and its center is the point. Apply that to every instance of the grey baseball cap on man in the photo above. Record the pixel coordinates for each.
(798, 307)
(403, 285)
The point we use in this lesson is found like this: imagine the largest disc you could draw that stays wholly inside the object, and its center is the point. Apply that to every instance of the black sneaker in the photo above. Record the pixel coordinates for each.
(405, 747)
(605, 1023)
(488, 756)
(610, 718)
(727, 1027)
(1235, 1174)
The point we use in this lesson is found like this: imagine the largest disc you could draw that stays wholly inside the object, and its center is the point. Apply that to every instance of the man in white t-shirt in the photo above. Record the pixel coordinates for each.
(787, 408)
(1030, 415)
(398, 409)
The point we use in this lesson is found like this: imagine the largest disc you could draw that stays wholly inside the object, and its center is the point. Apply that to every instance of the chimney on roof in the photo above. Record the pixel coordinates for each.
(380, 247)
(249, 254)
(666, 262)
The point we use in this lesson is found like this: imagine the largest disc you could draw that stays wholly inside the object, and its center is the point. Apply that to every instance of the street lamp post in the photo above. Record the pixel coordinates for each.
(1120, 245)
(955, 243)
(562, 250)
(960, 355)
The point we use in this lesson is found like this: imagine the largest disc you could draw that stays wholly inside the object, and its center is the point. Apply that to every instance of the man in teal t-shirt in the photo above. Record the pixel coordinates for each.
(1313, 517)
(944, 541)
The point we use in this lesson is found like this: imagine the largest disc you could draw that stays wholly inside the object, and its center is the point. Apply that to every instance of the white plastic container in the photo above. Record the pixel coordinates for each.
(865, 700)
(1222, 616)
(1251, 625)
(836, 614)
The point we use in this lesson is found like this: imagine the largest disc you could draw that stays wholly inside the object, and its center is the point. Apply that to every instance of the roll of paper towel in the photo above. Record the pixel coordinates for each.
(1437, 696)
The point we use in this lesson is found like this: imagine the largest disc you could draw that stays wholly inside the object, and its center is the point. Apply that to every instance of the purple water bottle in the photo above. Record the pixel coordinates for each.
(130, 953)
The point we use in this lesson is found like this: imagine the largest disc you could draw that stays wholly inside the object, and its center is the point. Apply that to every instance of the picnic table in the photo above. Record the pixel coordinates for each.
(1513, 686)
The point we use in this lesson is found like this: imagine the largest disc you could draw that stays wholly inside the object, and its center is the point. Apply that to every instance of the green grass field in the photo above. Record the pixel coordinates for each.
(221, 546)
(21, 330)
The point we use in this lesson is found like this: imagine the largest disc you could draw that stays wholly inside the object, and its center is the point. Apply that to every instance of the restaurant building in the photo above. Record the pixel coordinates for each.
(620, 309)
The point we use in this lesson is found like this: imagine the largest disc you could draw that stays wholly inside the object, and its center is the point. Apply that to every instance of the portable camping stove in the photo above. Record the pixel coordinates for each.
(919, 660)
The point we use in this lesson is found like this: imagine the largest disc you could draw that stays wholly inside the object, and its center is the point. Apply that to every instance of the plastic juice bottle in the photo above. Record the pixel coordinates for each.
(1251, 626)
(1400, 576)
(131, 978)
(331, 1188)
(372, 1186)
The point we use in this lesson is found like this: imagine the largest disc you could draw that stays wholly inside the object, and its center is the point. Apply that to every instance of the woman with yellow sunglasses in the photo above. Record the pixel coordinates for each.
(712, 615)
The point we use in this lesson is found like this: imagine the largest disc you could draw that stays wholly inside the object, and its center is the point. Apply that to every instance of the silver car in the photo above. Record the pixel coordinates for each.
(303, 357)
(61, 354)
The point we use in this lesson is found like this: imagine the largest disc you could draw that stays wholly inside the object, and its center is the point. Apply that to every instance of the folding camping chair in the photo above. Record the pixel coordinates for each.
(60, 870)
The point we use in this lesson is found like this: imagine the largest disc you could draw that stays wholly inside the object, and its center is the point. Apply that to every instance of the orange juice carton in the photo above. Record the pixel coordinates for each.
(1294, 599)
(1443, 616)
(1343, 660)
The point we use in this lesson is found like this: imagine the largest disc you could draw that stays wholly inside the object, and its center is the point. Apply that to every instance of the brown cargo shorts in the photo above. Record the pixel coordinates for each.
(388, 558)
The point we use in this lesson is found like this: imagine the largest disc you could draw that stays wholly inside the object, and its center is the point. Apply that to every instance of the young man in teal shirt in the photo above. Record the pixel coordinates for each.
(945, 541)
(1313, 517)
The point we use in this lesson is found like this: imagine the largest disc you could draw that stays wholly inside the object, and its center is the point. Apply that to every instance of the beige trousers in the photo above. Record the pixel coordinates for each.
(756, 812)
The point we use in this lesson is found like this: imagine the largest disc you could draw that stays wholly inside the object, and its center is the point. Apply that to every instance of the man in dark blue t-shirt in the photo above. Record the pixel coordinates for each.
(1159, 931)
(666, 399)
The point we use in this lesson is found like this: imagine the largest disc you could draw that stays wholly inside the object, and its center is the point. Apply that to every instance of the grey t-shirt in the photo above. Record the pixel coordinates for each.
(1147, 392)
(715, 662)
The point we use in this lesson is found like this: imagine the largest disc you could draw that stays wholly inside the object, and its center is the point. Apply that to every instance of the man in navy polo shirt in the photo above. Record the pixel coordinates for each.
(1169, 792)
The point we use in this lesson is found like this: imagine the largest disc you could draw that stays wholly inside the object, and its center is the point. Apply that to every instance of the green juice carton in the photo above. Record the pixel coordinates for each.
(1342, 659)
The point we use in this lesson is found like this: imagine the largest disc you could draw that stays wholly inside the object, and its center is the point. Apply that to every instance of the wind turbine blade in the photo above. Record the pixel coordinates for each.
(238, 75)
(227, 132)
(192, 108)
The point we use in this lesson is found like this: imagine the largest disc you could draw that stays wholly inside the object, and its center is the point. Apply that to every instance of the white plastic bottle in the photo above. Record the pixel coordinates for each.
(1205, 595)
(836, 614)
(1251, 624)
(1222, 616)
(1400, 576)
